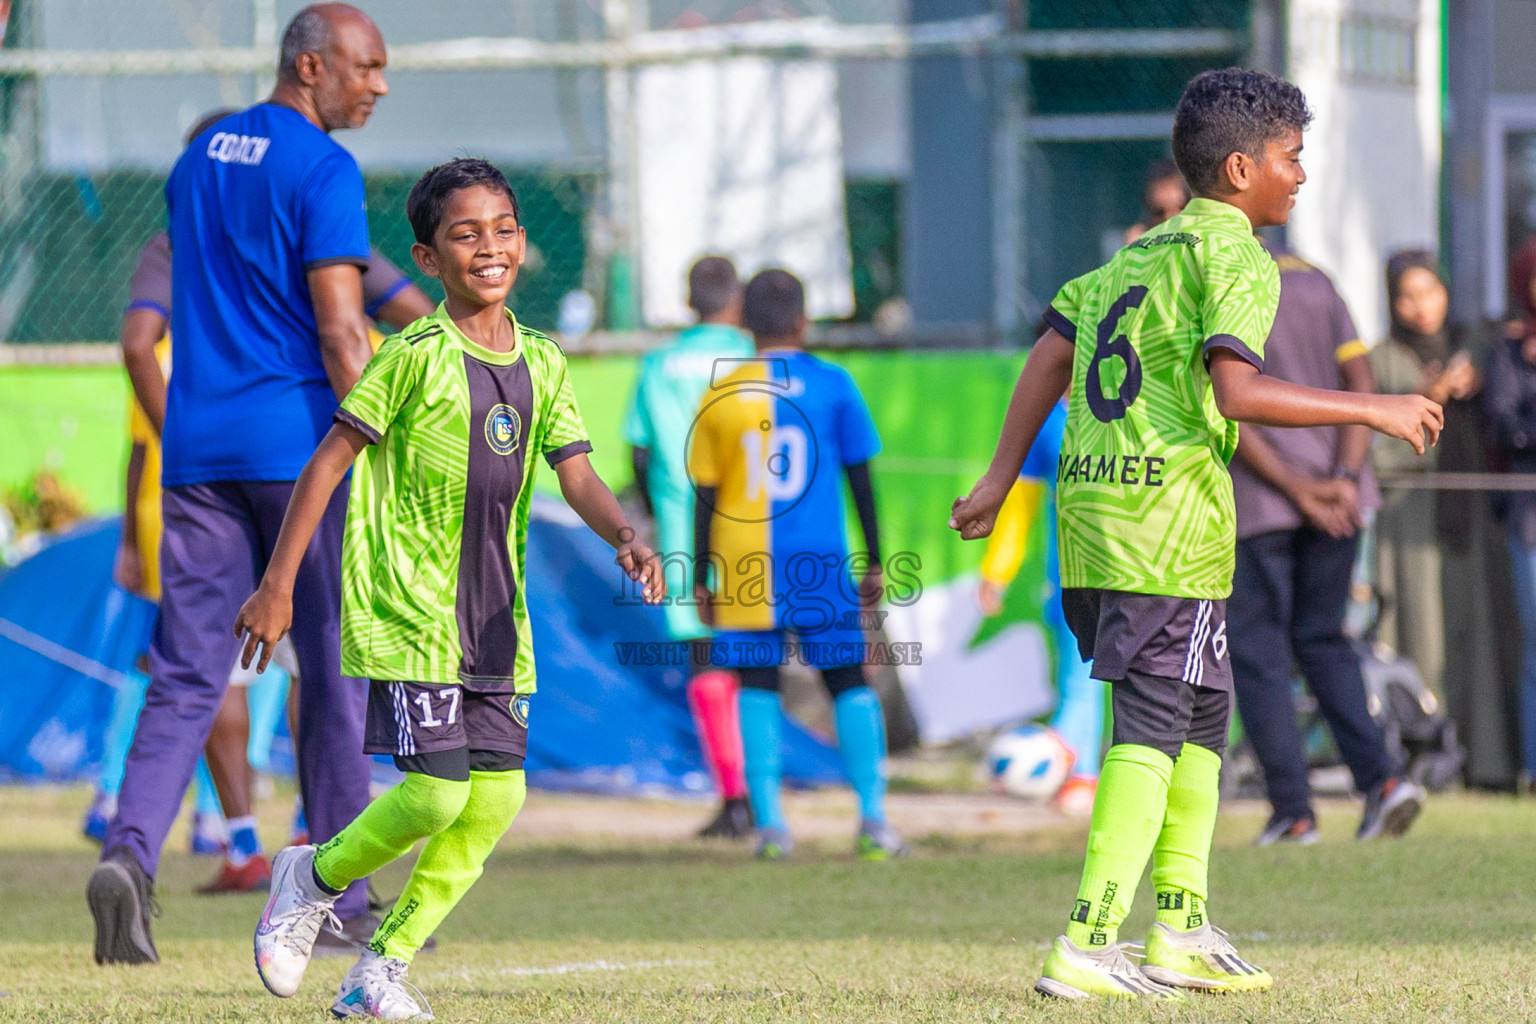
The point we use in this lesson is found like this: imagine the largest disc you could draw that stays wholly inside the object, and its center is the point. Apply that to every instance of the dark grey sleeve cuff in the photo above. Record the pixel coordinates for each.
(565, 451)
(1060, 324)
(346, 419)
(1231, 344)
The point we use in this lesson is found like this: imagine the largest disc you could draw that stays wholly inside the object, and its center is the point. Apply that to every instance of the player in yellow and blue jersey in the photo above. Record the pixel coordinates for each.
(774, 438)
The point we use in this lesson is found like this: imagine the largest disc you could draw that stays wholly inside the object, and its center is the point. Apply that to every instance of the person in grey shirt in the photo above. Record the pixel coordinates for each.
(1301, 497)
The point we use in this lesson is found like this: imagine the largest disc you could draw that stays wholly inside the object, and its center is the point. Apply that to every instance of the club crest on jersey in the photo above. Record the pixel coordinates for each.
(503, 429)
(520, 709)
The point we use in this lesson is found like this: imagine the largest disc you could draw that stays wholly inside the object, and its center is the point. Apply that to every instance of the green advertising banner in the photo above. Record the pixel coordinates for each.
(938, 414)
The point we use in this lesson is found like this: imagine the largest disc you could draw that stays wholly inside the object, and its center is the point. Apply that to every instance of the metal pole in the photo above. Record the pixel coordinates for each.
(1008, 141)
(622, 18)
(790, 40)
(1266, 36)
(21, 148)
(264, 37)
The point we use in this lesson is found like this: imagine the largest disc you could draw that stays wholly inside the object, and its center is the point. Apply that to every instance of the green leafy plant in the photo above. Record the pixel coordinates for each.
(43, 504)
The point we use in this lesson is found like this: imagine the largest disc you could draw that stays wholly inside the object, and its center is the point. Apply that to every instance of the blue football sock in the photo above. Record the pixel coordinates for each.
(207, 794)
(760, 741)
(267, 698)
(244, 843)
(861, 741)
(127, 702)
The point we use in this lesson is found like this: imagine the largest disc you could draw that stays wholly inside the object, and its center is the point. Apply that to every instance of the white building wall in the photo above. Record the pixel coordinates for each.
(1371, 72)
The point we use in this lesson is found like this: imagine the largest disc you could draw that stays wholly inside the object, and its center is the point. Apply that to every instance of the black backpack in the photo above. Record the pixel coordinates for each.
(1421, 738)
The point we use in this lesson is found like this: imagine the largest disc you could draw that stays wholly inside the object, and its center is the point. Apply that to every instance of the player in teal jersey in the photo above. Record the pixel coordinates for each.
(673, 379)
(444, 425)
(1163, 349)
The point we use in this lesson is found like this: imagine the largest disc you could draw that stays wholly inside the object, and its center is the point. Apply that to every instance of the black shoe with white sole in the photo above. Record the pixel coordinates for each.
(1390, 809)
(1285, 828)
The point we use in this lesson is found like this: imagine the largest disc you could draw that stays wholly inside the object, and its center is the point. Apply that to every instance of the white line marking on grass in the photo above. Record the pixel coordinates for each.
(585, 967)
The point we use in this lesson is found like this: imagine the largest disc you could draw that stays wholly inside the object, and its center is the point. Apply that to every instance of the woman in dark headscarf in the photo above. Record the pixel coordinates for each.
(1423, 355)
(1510, 404)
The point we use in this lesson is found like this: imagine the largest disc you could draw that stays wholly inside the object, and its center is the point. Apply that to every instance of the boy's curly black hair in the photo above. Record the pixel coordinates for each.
(429, 196)
(1231, 111)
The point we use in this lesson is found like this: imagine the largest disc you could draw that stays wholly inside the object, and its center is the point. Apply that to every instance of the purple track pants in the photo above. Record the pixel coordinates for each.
(216, 542)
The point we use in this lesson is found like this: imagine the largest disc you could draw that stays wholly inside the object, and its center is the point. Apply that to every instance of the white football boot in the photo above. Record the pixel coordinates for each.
(376, 987)
(297, 907)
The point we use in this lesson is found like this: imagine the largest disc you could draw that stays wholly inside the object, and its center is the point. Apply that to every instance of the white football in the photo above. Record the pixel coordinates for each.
(1030, 762)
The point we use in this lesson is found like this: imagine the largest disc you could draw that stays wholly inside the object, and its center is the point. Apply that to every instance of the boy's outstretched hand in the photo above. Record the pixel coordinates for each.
(642, 566)
(262, 622)
(1412, 418)
(975, 514)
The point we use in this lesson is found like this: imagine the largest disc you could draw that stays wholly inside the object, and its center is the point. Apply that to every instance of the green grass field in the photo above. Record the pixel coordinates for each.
(1435, 927)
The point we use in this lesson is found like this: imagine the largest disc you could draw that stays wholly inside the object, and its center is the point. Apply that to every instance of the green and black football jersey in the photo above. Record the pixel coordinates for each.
(437, 525)
(1144, 498)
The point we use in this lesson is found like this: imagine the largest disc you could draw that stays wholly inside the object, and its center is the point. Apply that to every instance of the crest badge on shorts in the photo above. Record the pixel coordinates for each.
(520, 709)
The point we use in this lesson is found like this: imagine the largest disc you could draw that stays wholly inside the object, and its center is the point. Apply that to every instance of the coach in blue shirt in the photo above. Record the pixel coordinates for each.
(269, 234)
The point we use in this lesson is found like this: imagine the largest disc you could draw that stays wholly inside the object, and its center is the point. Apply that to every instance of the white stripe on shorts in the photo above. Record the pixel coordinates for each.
(1194, 661)
(404, 741)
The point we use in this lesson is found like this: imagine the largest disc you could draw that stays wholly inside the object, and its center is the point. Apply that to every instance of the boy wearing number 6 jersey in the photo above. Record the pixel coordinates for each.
(1163, 351)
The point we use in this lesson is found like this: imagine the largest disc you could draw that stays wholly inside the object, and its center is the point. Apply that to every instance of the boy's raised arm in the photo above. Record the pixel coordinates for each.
(1047, 374)
(1245, 395)
(267, 615)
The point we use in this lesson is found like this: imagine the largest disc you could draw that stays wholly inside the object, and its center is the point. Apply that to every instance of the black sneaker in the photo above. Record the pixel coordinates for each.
(1390, 809)
(353, 938)
(1287, 828)
(733, 822)
(122, 900)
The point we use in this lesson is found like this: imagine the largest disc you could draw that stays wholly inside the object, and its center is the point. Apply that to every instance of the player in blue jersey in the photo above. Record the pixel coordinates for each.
(1080, 699)
(672, 380)
(770, 449)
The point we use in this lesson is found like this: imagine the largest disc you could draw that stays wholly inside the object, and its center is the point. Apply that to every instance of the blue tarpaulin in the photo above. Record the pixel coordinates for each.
(68, 636)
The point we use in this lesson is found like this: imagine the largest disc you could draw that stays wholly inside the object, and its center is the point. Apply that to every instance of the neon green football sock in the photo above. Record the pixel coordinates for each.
(450, 863)
(1127, 812)
(1182, 855)
(418, 807)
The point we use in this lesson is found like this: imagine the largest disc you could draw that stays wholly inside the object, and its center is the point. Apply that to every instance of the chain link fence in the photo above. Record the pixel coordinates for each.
(95, 95)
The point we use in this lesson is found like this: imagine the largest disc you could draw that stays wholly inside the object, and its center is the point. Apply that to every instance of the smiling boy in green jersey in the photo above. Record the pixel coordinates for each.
(444, 426)
(1163, 349)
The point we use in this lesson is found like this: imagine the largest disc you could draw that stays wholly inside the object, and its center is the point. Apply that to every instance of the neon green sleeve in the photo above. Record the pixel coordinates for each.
(564, 433)
(1238, 302)
(379, 395)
